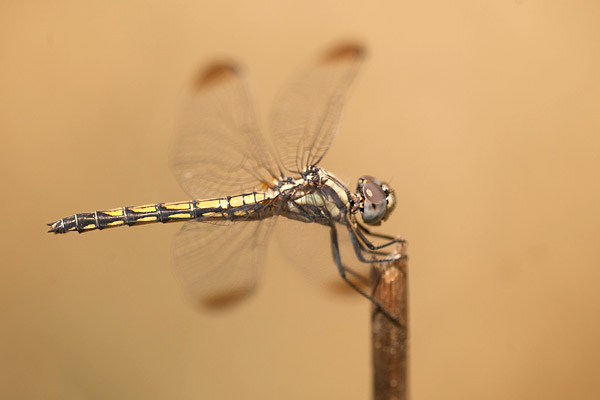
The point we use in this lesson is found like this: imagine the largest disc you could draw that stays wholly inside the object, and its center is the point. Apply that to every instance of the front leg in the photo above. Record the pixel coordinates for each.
(358, 249)
(362, 231)
(342, 271)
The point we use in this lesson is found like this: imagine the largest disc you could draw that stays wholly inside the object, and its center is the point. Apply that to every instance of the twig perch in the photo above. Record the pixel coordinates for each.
(390, 338)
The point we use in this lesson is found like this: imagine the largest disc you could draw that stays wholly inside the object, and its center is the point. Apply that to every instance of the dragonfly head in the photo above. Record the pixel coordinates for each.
(376, 200)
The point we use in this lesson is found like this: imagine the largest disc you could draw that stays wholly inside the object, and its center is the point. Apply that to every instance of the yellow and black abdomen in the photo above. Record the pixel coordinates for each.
(245, 206)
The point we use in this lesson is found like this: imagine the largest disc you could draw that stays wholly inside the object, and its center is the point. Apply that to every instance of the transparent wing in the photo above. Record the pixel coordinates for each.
(293, 238)
(219, 263)
(218, 149)
(306, 116)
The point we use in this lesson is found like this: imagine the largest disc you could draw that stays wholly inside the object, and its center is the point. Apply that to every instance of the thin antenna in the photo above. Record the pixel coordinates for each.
(390, 338)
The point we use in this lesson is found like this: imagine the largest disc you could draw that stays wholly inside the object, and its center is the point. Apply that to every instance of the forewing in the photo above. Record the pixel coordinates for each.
(218, 149)
(219, 263)
(306, 116)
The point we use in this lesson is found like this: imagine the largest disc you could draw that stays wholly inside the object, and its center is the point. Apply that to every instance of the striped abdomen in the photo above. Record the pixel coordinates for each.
(245, 207)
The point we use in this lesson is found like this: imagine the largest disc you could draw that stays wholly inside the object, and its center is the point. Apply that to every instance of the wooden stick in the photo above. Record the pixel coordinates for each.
(390, 338)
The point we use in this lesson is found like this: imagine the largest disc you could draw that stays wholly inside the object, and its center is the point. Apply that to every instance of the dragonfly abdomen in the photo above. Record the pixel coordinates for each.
(245, 206)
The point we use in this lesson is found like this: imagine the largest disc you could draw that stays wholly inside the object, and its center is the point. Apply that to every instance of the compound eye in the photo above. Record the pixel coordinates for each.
(375, 203)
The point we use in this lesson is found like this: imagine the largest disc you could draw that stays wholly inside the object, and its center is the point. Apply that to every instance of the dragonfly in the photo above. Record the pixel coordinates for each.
(240, 182)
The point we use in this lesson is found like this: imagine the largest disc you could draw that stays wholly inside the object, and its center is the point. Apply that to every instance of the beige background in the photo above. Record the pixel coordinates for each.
(484, 115)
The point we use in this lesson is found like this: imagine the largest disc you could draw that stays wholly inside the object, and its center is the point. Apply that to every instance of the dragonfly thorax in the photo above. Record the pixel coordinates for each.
(314, 196)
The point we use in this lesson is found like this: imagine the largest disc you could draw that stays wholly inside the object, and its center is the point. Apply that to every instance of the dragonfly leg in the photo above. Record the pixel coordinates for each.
(379, 235)
(358, 249)
(367, 247)
(362, 231)
(342, 271)
(362, 279)
(370, 245)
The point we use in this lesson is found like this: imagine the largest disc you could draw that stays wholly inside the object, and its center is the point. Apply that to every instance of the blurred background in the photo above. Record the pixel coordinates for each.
(483, 115)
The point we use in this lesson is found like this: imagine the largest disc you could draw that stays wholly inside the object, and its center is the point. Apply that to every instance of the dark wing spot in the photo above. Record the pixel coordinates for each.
(215, 74)
(225, 300)
(345, 52)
